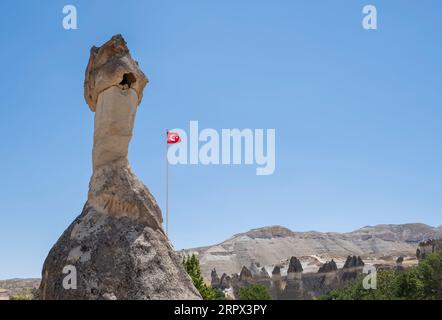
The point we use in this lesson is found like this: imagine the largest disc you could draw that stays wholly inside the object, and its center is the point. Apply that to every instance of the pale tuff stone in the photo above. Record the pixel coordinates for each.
(115, 258)
(115, 190)
(117, 244)
(112, 65)
(114, 120)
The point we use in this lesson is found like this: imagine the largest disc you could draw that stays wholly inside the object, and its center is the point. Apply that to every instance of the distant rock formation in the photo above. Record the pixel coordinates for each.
(427, 247)
(116, 248)
(399, 262)
(255, 269)
(294, 288)
(329, 266)
(264, 274)
(225, 282)
(276, 271)
(215, 279)
(353, 262)
(270, 245)
(245, 276)
(296, 284)
(294, 265)
(276, 283)
(352, 267)
(18, 287)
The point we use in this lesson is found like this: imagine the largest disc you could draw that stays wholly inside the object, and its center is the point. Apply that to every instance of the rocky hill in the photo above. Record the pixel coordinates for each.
(18, 287)
(270, 246)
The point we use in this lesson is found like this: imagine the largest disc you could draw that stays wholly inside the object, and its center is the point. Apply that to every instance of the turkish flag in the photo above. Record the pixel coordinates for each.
(173, 137)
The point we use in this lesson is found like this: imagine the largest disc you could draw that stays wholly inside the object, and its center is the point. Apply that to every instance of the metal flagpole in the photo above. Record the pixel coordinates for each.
(167, 186)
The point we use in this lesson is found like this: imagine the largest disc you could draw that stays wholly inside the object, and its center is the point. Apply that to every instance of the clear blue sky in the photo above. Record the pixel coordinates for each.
(357, 114)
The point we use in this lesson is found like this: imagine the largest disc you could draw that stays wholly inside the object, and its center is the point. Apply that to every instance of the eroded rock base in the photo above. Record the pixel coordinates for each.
(115, 258)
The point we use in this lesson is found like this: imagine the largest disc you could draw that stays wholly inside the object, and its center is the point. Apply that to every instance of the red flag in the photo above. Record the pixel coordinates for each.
(173, 137)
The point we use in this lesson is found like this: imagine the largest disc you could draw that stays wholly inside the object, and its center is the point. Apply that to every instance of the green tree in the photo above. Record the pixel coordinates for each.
(429, 272)
(408, 285)
(254, 292)
(423, 282)
(192, 266)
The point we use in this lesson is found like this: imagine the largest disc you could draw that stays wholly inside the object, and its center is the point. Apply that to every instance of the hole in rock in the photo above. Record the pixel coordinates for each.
(128, 79)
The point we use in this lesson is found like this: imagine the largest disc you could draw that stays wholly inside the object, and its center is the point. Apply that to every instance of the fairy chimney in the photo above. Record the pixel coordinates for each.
(116, 248)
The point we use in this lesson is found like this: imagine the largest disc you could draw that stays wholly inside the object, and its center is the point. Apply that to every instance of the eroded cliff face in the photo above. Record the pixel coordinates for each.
(116, 248)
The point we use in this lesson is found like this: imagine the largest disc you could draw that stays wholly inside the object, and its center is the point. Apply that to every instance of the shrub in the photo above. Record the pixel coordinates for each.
(192, 266)
(423, 282)
(21, 297)
(254, 292)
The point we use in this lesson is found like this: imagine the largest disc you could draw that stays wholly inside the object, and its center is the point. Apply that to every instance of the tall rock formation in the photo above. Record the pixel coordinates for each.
(295, 265)
(322, 282)
(116, 248)
(215, 281)
(352, 267)
(277, 287)
(264, 278)
(329, 266)
(225, 282)
(245, 277)
(294, 287)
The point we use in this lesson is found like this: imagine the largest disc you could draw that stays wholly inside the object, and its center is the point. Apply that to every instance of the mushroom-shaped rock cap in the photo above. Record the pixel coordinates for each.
(112, 65)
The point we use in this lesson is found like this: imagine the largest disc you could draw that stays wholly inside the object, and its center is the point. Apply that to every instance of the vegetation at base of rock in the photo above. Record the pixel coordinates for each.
(192, 266)
(254, 292)
(23, 294)
(218, 294)
(21, 297)
(423, 282)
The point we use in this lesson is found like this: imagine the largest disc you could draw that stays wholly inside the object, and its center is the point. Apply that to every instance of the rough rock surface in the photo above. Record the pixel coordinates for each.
(115, 258)
(112, 65)
(117, 245)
